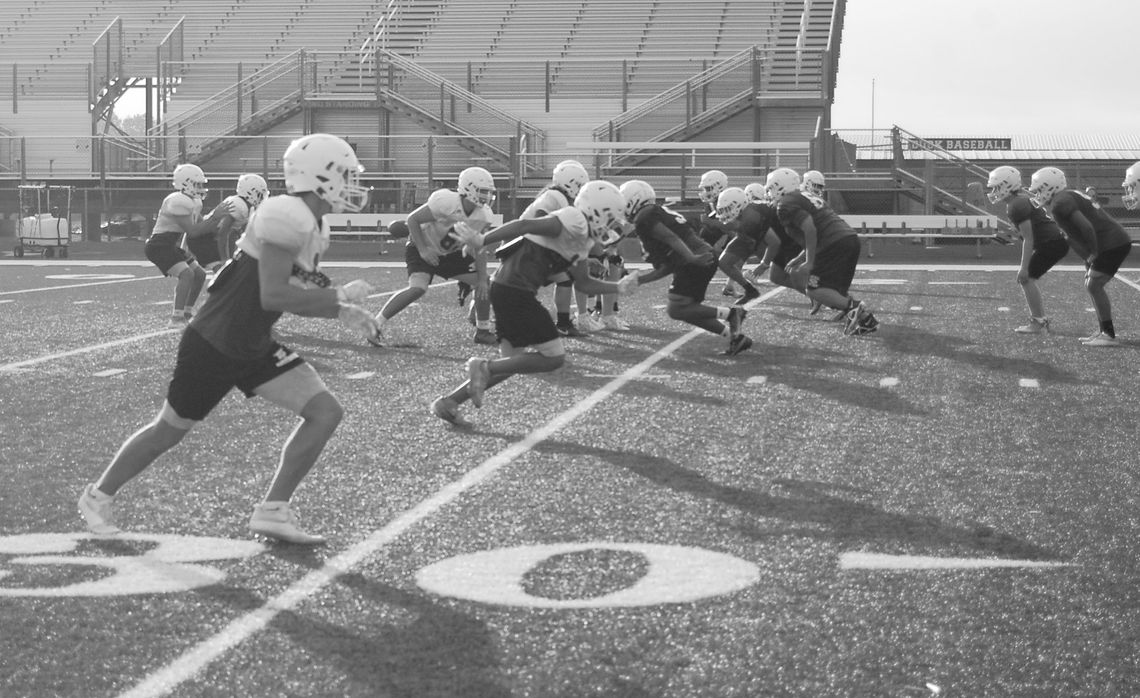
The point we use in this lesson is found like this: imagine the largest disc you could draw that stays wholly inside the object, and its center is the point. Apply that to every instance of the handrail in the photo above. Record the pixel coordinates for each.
(935, 149)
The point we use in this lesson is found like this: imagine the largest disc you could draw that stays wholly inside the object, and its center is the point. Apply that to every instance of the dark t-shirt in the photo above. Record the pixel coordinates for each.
(1107, 233)
(657, 251)
(793, 208)
(1021, 208)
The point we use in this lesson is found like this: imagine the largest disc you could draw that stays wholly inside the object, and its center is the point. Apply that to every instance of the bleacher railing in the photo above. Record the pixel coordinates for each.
(170, 56)
(738, 80)
(107, 60)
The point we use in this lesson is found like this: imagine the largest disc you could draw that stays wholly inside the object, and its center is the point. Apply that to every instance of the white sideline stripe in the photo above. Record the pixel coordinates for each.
(197, 658)
(92, 283)
(883, 561)
(85, 350)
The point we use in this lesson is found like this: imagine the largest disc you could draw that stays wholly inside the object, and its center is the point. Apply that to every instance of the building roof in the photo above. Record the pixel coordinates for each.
(876, 145)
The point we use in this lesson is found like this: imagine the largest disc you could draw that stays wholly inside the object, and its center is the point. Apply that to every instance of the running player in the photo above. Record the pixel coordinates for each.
(827, 264)
(536, 249)
(674, 249)
(757, 228)
(431, 251)
(712, 230)
(230, 342)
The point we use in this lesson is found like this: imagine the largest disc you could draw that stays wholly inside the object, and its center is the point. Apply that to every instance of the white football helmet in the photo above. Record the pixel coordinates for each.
(1045, 184)
(325, 165)
(252, 188)
(569, 176)
(477, 184)
(712, 184)
(730, 203)
(756, 192)
(604, 208)
(781, 181)
(638, 194)
(1003, 181)
(190, 180)
(1131, 178)
(813, 183)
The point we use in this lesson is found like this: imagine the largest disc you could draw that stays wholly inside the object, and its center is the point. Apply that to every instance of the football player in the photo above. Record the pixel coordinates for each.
(431, 251)
(712, 230)
(1092, 234)
(565, 182)
(1042, 244)
(212, 250)
(826, 266)
(757, 228)
(230, 342)
(534, 250)
(675, 249)
(180, 215)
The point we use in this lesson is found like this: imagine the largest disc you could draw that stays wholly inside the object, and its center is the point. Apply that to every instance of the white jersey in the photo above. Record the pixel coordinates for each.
(175, 205)
(574, 243)
(549, 200)
(446, 207)
(286, 221)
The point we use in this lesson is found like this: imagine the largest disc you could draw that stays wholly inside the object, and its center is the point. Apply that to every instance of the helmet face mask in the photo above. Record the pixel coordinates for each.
(604, 208)
(730, 203)
(477, 185)
(813, 183)
(252, 188)
(326, 166)
(1045, 184)
(1003, 182)
(569, 176)
(712, 184)
(781, 181)
(1130, 198)
(190, 180)
(638, 194)
(756, 192)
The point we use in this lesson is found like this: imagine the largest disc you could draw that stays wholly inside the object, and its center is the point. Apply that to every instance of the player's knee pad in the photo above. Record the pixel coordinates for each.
(419, 282)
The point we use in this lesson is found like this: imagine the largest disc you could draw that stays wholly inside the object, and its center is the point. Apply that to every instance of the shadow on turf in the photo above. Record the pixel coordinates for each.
(846, 521)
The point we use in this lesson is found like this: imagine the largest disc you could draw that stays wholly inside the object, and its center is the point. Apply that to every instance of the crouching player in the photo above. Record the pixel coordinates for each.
(536, 250)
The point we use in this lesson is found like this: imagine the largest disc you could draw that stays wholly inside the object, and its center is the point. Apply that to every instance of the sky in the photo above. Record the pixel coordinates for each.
(966, 68)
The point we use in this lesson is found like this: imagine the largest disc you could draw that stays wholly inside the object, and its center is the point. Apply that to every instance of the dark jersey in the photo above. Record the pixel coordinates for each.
(528, 266)
(657, 251)
(1021, 208)
(795, 207)
(1107, 233)
(713, 231)
(757, 218)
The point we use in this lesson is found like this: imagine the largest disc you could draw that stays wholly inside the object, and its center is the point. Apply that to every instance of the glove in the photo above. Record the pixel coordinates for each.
(465, 235)
(354, 291)
(629, 284)
(358, 320)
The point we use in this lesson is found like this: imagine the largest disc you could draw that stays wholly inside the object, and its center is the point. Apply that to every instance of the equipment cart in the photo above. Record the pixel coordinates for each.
(45, 220)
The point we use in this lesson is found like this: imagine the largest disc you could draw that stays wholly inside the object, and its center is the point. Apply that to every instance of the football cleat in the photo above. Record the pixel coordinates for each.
(278, 521)
(485, 337)
(590, 323)
(569, 330)
(464, 291)
(98, 511)
(613, 322)
(750, 293)
(859, 321)
(448, 410)
(738, 344)
(1034, 326)
(478, 375)
(1100, 339)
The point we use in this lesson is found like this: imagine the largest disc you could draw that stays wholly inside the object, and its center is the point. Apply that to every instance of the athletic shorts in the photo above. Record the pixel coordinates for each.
(450, 265)
(165, 255)
(1108, 261)
(834, 265)
(692, 280)
(204, 248)
(1045, 256)
(203, 375)
(520, 318)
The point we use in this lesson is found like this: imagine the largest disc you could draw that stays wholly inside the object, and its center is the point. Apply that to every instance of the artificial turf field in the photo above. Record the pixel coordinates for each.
(941, 508)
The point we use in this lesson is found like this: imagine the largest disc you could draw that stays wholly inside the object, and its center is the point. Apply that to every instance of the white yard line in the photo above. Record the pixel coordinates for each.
(17, 365)
(195, 659)
(63, 286)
